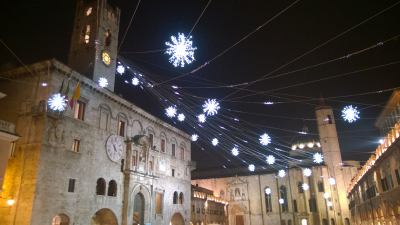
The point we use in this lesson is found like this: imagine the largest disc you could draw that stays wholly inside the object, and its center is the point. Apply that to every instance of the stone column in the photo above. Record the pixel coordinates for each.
(126, 173)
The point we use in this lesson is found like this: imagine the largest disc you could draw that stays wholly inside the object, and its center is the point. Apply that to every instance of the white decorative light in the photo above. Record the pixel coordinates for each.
(294, 147)
(265, 139)
(268, 191)
(307, 172)
(43, 84)
(201, 118)
(170, 111)
(381, 141)
(301, 146)
(270, 159)
(329, 204)
(214, 141)
(10, 202)
(332, 181)
(281, 173)
(181, 50)
(350, 114)
(103, 82)
(121, 69)
(252, 167)
(211, 107)
(135, 81)
(57, 102)
(305, 186)
(326, 195)
(174, 87)
(281, 201)
(268, 103)
(318, 158)
(310, 144)
(181, 117)
(195, 137)
(235, 151)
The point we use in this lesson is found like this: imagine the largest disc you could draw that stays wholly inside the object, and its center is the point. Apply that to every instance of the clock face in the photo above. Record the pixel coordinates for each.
(106, 58)
(114, 147)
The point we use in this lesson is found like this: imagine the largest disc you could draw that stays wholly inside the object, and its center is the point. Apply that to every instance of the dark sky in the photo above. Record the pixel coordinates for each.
(37, 30)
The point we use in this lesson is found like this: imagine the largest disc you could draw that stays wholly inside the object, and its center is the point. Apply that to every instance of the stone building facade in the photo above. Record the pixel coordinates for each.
(101, 161)
(263, 197)
(374, 193)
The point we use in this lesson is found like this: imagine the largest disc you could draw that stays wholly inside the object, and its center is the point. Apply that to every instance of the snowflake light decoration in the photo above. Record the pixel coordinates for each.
(350, 114)
(265, 139)
(57, 102)
(201, 118)
(211, 107)
(252, 167)
(103, 82)
(307, 172)
(135, 81)
(281, 173)
(120, 69)
(281, 201)
(268, 191)
(332, 181)
(170, 111)
(181, 117)
(181, 50)
(329, 204)
(318, 158)
(214, 141)
(305, 186)
(270, 159)
(235, 151)
(194, 137)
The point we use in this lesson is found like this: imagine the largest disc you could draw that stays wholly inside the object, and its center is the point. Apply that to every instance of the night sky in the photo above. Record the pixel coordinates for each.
(38, 30)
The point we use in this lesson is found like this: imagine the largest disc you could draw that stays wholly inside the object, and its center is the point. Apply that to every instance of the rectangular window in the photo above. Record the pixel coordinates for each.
(133, 160)
(104, 116)
(79, 112)
(151, 163)
(173, 150)
(295, 205)
(162, 145)
(313, 205)
(151, 137)
(182, 153)
(173, 172)
(76, 145)
(321, 186)
(159, 199)
(300, 187)
(121, 128)
(71, 185)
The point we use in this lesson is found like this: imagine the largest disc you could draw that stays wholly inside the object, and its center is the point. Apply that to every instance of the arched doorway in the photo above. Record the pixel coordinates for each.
(60, 219)
(138, 209)
(104, 217)
(177, 219)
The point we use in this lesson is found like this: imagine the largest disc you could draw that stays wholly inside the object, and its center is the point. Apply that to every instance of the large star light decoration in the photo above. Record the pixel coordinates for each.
(270, 159)
(120, 69)
(103, 82)
(318, 158)
(252, 167)
(307, 172)
(201, 118)
(350, 114)
(57, 102)
(211, 107)
(265, 139)
(281, 173)
(194, 137)
(181, 50)
(214, 141)
(181, 117)
(170, 111)
(235, 151)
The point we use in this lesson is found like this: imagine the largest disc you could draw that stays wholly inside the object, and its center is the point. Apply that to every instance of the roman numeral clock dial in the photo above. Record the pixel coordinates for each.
(115, 147)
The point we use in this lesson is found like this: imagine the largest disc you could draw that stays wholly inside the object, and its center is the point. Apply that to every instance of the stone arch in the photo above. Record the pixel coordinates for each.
(104, 216)
(137, 128)
(238, 214)
(145, 194)
(60, 219)
(177, 219)
(138, 209)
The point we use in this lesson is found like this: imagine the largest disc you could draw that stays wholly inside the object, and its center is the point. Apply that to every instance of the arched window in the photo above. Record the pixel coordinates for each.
(325, 222)
(181, 198)
(175, 200)
(101, 186)
(289, 222)
(112, 188)
(332, 221)
(347, 221)
(60, 219)
(283, 195)
(268, 200)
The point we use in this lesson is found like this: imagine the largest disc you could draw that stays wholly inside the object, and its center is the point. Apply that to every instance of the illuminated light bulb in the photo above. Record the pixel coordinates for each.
(135, 81)
(381, 141)
(103, 82)
(307, 172)
(10, 202)
(301, 146)
(214, 141)
(265, 139)
(332, 181)
(319, 145)
(281, 173)
(318, 158)
(268, 103)
(235, 151)
(268, 191)
(281, 201)
(329, 204)
(44, 84)
(326, 195)
(174, 87)
(211, 107)
(350, 114)
(270, 159)
(310, 144)
(305, 186)
(294, 147)
(201, 118)
(194, 137)
(120, 69)
(170, 111)
(181, 50)
(181, 117)
(252, 167)
(57, 102)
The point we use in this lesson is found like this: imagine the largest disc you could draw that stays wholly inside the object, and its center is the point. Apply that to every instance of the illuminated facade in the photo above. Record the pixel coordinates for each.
(101, 161)
(298, 198)
(374, 193)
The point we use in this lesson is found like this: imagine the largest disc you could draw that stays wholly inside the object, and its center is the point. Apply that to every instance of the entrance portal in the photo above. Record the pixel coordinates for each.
(138, 209)
(239, 220)
(177, 219)
(104, 217)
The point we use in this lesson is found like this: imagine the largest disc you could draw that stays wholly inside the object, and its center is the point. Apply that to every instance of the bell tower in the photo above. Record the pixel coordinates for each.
(94, 41)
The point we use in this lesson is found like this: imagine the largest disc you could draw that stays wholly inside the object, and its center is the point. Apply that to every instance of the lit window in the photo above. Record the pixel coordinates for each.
(159, 199)
(71, 185)
(79, 112)
(87, 34)
(162, 145)
(121, 128)
(76, 145)
(173, 150)
(89, 11)
(304, 222)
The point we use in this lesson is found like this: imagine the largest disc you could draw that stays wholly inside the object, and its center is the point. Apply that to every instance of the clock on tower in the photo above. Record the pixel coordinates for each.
(94, 41)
